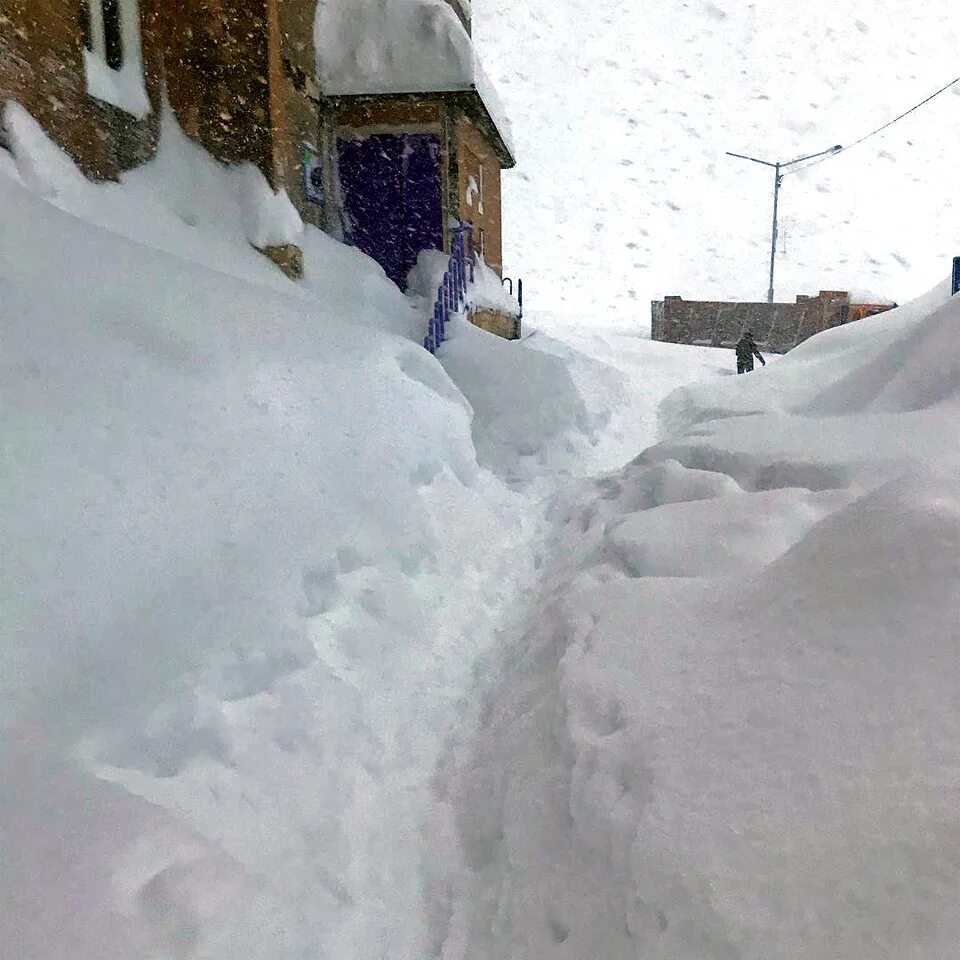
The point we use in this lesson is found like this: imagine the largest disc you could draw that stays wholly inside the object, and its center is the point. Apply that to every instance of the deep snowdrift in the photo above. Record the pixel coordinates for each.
(237, 616)
(730, 728)
(250, 568)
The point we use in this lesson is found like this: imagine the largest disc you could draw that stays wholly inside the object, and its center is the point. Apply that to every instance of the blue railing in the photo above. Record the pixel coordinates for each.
(452, 292)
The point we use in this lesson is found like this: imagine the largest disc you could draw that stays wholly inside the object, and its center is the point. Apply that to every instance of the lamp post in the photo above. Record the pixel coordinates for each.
(777, 181)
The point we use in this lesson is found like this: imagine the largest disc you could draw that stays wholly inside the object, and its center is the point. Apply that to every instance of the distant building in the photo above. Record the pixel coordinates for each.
(384, 149)
(777, 327)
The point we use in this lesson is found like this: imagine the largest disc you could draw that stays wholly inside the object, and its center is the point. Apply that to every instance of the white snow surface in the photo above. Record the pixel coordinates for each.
(400, 46)
(181, 187)
(391, 46)
(623, 112)
(124, 88)
(486, 292)
(729, 727)
(250, 562)
(315, 646)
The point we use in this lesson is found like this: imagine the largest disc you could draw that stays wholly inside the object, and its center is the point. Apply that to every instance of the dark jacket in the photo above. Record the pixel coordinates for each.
(747, 348)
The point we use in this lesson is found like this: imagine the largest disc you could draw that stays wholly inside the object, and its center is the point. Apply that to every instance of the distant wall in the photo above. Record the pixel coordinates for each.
(777, 327)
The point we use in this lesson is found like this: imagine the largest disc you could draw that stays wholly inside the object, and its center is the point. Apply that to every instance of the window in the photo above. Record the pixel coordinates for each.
(113, 56)
(104, 31)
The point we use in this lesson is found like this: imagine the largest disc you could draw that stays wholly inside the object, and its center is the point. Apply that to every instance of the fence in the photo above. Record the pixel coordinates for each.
(452, 292)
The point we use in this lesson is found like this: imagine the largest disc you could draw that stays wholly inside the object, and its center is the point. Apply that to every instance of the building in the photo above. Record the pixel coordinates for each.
(777, 327)
(373, 116)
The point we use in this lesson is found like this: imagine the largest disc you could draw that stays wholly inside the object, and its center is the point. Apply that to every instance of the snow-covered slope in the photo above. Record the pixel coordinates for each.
(250, 564)
(229, 585)
(730, 727)
(259, 561)
(623, 111)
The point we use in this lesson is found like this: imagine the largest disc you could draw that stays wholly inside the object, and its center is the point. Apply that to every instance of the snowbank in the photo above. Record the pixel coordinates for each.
(729, 728)
(237, 614)
(251, 567)
(183, 201)
(529, 418)
(391, 46)
(487, 292)
(400, 46)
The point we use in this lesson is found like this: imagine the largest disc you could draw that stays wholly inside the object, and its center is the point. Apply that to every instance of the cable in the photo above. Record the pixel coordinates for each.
(873, 133)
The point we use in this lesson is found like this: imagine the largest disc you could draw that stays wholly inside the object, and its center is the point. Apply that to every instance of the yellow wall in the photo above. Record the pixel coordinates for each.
(473, 156)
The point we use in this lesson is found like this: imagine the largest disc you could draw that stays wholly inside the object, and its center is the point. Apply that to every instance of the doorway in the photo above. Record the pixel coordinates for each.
(391, 189)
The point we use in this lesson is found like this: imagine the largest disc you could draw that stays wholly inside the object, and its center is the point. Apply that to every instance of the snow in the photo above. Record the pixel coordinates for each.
(125, 87)
(228, 584)
(486, 292)
(623, 113)
(315, 645)
(250, 566)
(400, 46)
(516, 433)
(184, 201)
(391, 46)
(728, 725)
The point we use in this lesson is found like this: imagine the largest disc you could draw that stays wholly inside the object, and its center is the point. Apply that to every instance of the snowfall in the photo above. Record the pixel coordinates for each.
(317, 647)
(623, 111)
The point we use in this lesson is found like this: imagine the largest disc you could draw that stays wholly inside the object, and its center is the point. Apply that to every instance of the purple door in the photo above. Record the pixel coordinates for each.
(392, 204)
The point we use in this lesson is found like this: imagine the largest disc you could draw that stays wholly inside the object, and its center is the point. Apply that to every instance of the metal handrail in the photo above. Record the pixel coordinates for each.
(452, 292)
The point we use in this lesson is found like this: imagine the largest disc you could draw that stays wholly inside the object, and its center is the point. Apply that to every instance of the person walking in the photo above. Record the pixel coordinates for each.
(747, 349)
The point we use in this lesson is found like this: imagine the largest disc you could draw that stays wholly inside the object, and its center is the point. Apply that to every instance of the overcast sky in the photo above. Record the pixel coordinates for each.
(622, 113)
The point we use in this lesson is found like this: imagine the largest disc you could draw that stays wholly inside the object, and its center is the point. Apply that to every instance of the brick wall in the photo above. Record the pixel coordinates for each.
(777, 327)
(474, 154)
(295, 107)
(218, 76)
(213, 55)
(42, 68)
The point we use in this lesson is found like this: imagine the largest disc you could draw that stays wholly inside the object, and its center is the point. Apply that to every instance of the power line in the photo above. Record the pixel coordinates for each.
(873, 133)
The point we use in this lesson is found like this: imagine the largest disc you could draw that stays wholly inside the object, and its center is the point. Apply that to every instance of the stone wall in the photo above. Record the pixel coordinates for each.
(42, 67)
(218, 77)
(493, 321)
(478, 166)
(777, 327)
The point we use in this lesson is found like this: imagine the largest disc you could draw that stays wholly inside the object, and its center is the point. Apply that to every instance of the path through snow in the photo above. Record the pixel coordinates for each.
(727, 728)
(251, 568)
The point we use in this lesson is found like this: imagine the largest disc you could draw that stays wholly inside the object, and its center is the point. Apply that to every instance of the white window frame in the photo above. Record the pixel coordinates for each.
(124, 88)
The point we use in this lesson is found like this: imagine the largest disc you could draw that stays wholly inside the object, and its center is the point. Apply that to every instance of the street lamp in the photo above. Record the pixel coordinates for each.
(777, 180)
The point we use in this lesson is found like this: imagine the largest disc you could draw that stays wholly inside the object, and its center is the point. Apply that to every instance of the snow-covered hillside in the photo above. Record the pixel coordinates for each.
(623, 111)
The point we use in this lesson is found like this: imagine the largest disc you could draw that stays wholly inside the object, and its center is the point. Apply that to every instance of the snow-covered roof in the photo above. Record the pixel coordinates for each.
(400, 46)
